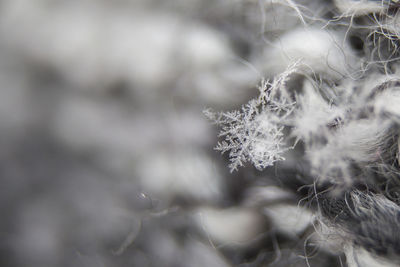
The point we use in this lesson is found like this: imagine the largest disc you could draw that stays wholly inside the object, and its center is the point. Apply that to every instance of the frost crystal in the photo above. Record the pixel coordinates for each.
(255, 133)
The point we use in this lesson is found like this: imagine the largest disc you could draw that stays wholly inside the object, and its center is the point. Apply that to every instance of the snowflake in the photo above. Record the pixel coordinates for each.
(255, 133)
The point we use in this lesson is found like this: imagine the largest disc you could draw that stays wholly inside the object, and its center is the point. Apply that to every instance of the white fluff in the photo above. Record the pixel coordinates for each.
(361, 7)
(289, 219)
(236, 226)
(321, 51)
(357, 257)
(167, 174)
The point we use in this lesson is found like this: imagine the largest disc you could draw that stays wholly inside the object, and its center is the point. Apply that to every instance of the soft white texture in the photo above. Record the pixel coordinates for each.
(321, 51)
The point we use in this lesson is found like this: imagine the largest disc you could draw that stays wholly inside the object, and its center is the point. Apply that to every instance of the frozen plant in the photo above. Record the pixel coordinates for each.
(255, 133)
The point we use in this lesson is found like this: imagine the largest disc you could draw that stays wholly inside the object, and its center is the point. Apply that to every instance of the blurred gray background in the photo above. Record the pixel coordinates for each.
(105, 156)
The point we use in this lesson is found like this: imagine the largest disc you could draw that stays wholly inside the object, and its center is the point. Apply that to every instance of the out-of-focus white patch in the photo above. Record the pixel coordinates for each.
(321, 51)
(197, 254)
(232, 226)
(185, 173)
(361, 7)
(141, 48)
(388, 102)
(220, 85)
(165, 245)
(85, 124)
(168, 251)
(266, 194)
(203, 46)
(289, 219)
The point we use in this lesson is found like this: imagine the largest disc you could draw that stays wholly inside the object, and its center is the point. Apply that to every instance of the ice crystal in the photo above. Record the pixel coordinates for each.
(255, 133)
